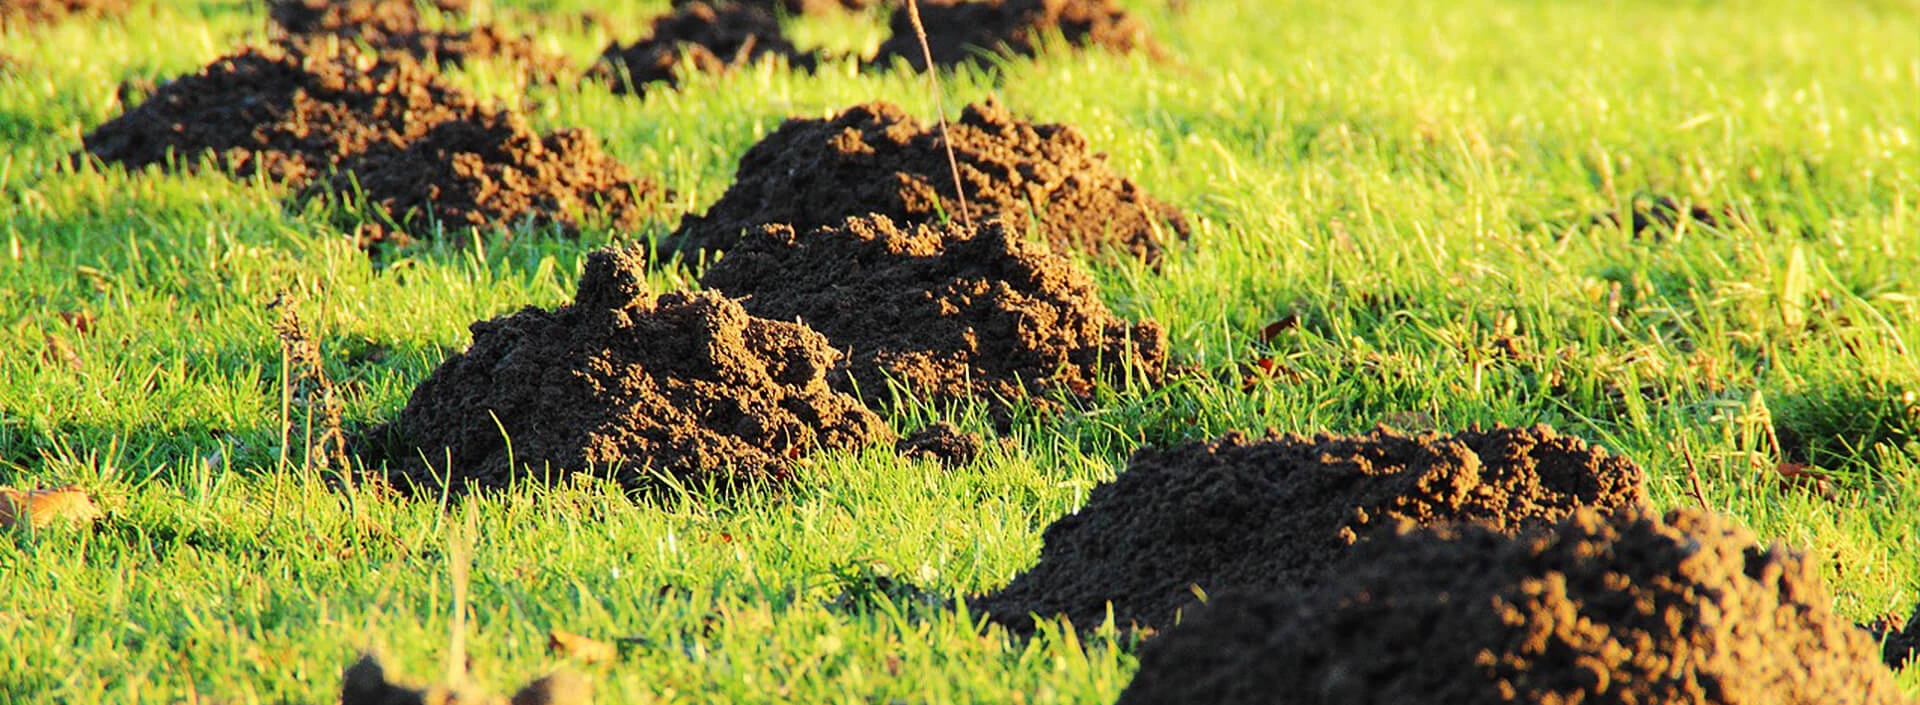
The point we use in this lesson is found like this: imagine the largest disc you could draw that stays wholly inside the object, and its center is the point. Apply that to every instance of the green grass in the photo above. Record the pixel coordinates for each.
(1411, 180)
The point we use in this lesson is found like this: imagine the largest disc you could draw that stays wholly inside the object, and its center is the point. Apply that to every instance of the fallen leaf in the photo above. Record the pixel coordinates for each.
(587, 650)
(1274, 329)
(1801, 476)
(42, 508)
(80, 321)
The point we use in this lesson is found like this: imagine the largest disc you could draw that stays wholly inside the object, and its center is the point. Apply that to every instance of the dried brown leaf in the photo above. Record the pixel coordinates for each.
(43, 508)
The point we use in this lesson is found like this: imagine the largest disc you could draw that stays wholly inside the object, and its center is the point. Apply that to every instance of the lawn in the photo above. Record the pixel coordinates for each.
(1410, 187)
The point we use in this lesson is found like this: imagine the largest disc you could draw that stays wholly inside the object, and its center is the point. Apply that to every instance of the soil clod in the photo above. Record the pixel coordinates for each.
(365, 683)
(399, 26)
(1898, 642)
(943, 443)
(948, 312)
(961, 31)
(1271, 514)
(685, 387)
(876, 158)
(1631, 607)
(696, 37)
(1659, 217)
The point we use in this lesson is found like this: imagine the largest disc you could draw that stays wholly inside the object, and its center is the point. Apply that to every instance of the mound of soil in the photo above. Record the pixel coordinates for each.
(949, 312)
(1627, 608)
(291, 115)
(1898, 642)
(803, 7)
(696, 37)
(26, 13)
(876, 158)
(943, 443)
(960, 31)
(398, 25)
(493, 171)
(686, 385)
(1272, 514)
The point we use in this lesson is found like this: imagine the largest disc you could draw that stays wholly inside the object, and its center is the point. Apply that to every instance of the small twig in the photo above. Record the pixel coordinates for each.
(940, 103)
(1693, 473)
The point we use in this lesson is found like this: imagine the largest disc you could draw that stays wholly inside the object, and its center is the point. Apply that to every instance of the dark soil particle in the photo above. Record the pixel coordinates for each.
(696, 37)
(291, 115)
(960, 31)
(1271, 514)
(27, 13)
(943, 443)
(621, 382)
(948, 312)
(1631, 607)
(876, 158)
(1898, 642)
(398, 25)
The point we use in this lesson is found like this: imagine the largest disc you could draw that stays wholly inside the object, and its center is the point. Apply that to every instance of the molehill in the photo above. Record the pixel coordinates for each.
(949, 312)
(399, 26)
(961, 31)
(1630, 607)
(623, 383)
(1271, 514)
(696, 37)
(875, 158)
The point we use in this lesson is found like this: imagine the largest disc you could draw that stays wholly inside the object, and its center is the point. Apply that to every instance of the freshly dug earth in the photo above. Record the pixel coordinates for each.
(696, 37)
(1271, 514)
(397, 25)
(26, 13)
(1898, 642)
(1631, 607)
(804, 7)
(493, 171)
(622, 382)
(960, 31)
(876, 158)
(949, 312)
(291, 115)
(941, 442)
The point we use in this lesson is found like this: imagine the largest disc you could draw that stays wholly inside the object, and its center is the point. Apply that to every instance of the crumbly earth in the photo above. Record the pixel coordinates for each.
(291, 115)
(876, 158)
(26, 13)
(1898, 641)
(1630, 607)
(398, 25)
(1271, 514)
(950, 313)
(961, 31)
(622, 383)
(494, 172)
(804, 7)
(941, 442)
(696, 37)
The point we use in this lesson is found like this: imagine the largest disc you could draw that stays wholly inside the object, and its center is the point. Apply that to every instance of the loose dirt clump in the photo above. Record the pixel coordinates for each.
(1271, 514)
(365, 683)
(876, 158)
(1898, 642)
(948, 312)
(961, 31)
(686, 386)
(696, 37)
(291, 115)
(494, 172)
(1659, 217)
(1631, 607)
(398, 25)
(943, 443)
(27, 13)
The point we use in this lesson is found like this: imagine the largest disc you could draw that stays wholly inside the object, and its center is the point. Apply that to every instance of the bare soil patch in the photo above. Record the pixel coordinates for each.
(623, 383)
(1271, 514)
(398, 25)
(696, 37)
(962, 31)
(941, 442)
(877, 159)
(28, 13)
(1898, 641)
(949, 312)
(1631, 607)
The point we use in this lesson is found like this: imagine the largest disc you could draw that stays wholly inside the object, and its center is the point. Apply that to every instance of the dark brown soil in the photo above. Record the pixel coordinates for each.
(876, 158)
(804, 7)
(943, 443)
(1271, 514)
(696, 37)
(960, 31)
(621, 382)
(365, 683)
(1898, 642)
(1659, 216)
(26, 13)
(1627, 608)
(398, 25)
(949, 312)
(494, 172)
(290, 115)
